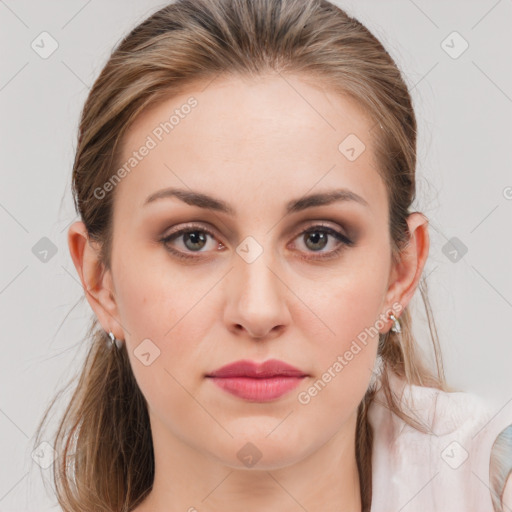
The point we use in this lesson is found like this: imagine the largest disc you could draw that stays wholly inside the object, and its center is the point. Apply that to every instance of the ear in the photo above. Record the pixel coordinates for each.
(406, 273)
(96, 280)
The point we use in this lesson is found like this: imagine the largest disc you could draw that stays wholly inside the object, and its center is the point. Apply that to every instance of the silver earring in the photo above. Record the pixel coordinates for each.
(396, 327)
(114, 341)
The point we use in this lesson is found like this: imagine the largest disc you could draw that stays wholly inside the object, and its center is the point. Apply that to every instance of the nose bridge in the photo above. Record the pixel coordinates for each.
(257, 300)
(254, 273)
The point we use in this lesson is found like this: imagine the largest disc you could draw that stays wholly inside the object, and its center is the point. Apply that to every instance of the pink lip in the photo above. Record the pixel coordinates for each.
(257, 382)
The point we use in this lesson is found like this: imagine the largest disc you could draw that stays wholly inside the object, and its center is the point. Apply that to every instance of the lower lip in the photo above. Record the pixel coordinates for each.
(257, 390)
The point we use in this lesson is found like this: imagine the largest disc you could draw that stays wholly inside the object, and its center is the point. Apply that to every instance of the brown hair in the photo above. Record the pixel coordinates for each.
(104, 445)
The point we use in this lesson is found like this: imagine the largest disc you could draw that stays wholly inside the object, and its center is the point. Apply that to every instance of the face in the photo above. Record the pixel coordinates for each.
(269, 275)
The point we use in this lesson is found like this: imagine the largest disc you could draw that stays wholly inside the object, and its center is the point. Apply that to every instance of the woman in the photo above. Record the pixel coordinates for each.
(244, 176)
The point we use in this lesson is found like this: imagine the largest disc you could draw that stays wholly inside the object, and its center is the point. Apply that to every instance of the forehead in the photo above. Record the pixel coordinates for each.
(247, 139)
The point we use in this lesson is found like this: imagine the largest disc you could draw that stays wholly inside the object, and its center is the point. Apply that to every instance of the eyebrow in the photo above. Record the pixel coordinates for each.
(205, 201)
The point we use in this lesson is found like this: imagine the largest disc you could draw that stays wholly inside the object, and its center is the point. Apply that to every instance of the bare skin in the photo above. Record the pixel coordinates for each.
(256, 145)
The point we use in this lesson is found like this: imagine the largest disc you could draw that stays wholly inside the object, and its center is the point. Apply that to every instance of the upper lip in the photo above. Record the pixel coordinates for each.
(246, 368)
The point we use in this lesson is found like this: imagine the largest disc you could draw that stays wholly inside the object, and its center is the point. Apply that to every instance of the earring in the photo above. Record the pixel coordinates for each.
(114, 341)
(396, 327)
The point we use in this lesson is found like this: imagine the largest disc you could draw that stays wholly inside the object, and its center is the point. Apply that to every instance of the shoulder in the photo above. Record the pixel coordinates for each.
(443, 412)
(445, 467)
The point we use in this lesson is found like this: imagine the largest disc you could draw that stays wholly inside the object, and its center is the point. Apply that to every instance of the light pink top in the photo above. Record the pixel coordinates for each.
(445, 471)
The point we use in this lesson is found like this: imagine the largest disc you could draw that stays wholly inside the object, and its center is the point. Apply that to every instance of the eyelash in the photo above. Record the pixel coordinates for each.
(344, 241)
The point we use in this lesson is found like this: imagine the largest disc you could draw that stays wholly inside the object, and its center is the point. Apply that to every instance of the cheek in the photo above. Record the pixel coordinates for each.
(344, 362)
(154, 295)
(166, 314)
(350, 303)
(169, 319)
(349, 321)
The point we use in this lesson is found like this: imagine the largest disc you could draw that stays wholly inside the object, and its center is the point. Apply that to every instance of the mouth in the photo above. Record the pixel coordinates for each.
(257, 382)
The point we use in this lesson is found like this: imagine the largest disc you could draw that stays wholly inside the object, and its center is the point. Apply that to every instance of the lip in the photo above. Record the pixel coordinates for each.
(257, 382)
(269, 368)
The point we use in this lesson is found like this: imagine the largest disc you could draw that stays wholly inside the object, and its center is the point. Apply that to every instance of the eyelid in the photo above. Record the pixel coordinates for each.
(190, 227)
(316, 224)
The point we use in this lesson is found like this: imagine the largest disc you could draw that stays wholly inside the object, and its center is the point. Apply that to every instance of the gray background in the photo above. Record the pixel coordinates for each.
(464, 108)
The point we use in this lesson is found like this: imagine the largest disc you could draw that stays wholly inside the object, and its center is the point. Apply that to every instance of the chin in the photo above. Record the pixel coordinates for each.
(264, 449)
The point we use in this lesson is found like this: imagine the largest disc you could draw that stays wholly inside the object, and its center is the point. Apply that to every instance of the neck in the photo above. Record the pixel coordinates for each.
(327, 480)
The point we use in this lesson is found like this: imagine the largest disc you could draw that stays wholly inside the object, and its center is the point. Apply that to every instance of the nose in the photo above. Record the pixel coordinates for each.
(257, 299)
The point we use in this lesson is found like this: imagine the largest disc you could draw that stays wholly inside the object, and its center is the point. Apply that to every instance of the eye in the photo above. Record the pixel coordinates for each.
(193, 238)
(316, 238)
